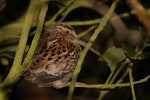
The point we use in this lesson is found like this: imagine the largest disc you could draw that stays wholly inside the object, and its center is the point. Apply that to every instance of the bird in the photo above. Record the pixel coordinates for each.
(55, 57)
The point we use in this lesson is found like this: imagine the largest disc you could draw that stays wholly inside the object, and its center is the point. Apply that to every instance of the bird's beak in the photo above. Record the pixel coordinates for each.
(82, 43)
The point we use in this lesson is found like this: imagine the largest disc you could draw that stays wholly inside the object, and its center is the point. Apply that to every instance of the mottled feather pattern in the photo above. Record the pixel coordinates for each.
(55, 58)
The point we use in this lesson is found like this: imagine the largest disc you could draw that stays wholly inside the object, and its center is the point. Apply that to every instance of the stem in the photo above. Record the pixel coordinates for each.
(83, 23)
(131, 82)
(140, 13)
(110, 81)
(102, 93)
(16, 69)
(123, 76)
(109, 86)
(37, 33)
(50, 22)
(3, 95)
(86, 31)
(119, 70)
(87, 47)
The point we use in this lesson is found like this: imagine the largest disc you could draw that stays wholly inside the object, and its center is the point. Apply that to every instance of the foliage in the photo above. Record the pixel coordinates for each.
(120, 51)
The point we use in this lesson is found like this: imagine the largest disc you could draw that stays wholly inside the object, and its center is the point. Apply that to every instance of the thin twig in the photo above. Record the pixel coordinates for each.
(83, 23)
(52, 20)
(123, 76)
(131, 82)
(127, 60)
(112, 78)
(108, 86)
(86, 31)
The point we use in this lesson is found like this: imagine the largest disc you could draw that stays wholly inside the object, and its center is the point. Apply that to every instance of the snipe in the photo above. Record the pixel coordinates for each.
(55, 58)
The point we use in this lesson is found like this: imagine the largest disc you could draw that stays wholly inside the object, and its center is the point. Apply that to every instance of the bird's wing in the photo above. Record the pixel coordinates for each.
(51, 62)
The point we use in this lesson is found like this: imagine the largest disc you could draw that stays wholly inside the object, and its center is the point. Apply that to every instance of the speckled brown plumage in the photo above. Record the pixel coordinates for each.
(55, 58)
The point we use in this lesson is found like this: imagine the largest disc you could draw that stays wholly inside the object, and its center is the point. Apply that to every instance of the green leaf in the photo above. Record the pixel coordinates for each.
(136, 54)
(113, 56)
(130, 51)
